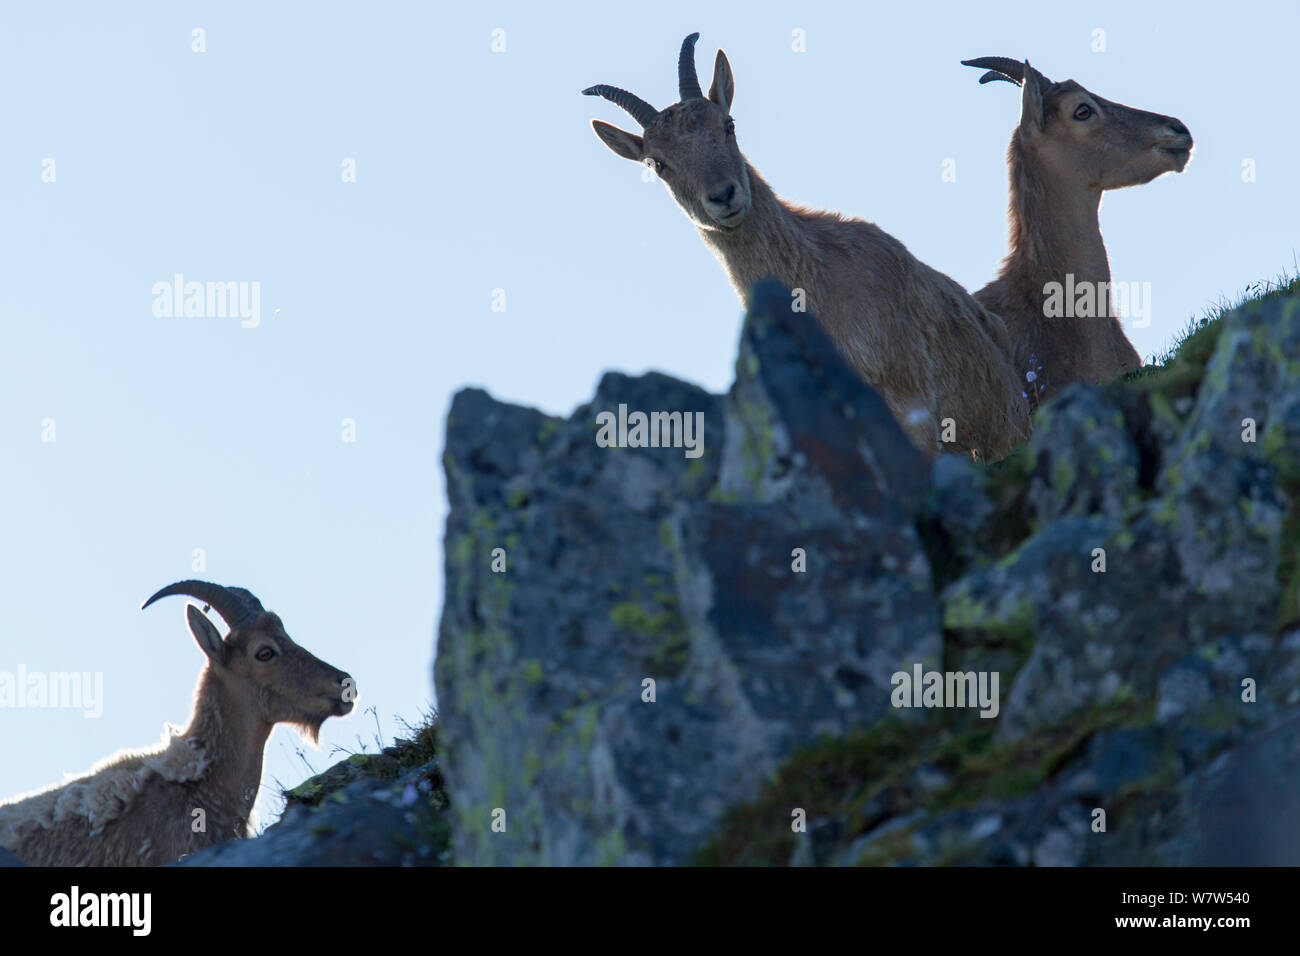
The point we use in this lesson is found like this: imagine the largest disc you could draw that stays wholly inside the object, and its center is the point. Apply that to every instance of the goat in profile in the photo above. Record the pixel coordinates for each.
(912, 332)
(1070, 146)
(151, 807)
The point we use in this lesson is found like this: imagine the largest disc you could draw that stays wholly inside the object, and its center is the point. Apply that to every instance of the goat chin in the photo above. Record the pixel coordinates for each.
(310, 729)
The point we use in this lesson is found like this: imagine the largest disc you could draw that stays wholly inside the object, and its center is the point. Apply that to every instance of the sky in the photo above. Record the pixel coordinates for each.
(415, 193)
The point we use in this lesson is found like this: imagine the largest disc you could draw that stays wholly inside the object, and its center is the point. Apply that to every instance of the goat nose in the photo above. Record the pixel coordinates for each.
(724, 197)
(348, 695)
(1179, 128)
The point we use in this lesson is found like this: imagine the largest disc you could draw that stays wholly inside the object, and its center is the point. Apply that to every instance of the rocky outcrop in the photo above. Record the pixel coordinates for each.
(384, 809)
(647, 657)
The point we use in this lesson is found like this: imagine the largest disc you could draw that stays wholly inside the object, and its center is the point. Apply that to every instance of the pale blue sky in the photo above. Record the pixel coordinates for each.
(475, 171)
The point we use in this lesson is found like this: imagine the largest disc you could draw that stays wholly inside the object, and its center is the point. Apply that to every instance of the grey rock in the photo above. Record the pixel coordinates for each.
(635, 564)
(1123, 575)
(1183, 688)
(1243, 810)
(1085, 460)
(350, 820)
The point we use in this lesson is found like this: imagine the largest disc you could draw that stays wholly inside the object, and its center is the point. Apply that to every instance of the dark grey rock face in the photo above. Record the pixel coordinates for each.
(364, 811)
(1131, 576)
(627, 565)
(1244, 808)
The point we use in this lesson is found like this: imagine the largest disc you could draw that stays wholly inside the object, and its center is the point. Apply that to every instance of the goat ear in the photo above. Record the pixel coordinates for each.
(1031, 101)
(724, 84)
(626, 145)
(206, 634)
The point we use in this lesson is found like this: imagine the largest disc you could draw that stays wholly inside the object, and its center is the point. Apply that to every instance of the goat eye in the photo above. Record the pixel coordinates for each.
(731, 127)
(265, 654)
(1083, 111)
(654, 164)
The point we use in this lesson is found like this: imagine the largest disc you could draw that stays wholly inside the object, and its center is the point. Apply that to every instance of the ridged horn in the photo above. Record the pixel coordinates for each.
(236, 606)
(688, 82)
(999, 67)
(640, 110)
(992, 75)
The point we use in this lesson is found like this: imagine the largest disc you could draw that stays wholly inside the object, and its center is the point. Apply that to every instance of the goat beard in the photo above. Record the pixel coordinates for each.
(310, 729)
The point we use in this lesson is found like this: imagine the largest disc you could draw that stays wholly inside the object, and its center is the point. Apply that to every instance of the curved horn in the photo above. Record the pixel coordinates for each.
(992, 75)
(236, 606)
(999, 67)
(641, 111)
(688, 83)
